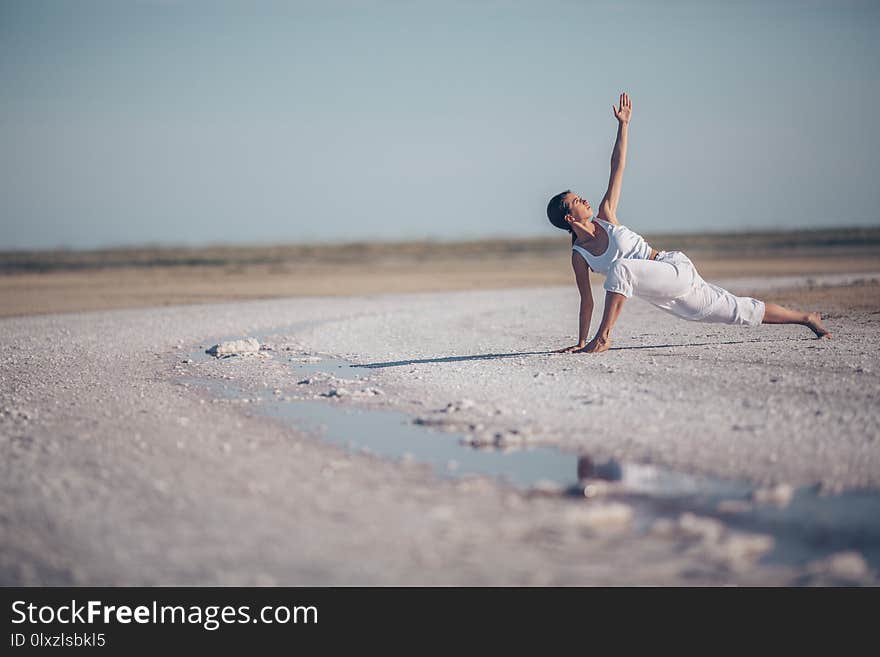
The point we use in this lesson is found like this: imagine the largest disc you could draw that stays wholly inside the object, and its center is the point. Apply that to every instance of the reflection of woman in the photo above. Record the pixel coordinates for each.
(666, 279)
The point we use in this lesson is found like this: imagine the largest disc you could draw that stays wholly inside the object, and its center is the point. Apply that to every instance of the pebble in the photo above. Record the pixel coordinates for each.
(779, 495)
(610, 516)
(456, 406)
(235, 348)
(745, 548)
(336, 392)
(705, 529)
(848, 565)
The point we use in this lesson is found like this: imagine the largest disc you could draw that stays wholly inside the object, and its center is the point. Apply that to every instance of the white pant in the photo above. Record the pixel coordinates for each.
(672, 283)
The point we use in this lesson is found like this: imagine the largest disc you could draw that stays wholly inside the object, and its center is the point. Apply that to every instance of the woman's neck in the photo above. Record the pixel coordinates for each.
(585, 234)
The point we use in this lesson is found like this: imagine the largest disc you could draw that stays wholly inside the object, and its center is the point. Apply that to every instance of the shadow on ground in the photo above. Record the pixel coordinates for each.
(457, 359)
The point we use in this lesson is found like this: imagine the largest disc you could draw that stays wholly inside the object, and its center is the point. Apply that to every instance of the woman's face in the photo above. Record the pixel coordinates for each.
(578, 209)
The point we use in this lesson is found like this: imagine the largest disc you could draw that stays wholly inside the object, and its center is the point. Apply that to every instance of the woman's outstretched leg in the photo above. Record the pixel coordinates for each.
(776, 314)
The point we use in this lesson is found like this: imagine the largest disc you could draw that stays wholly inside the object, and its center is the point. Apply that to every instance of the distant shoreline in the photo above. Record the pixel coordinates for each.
(854, 240)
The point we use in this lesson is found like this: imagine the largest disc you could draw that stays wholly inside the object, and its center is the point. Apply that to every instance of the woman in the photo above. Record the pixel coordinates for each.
(666, 279)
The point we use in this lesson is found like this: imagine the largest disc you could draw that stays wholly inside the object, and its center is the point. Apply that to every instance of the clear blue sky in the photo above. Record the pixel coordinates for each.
(184, 122)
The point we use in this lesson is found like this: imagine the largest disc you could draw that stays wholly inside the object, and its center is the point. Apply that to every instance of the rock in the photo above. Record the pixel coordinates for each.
(511, 438)
(611, 516)
(594, 488)
(456, 406)
(779, 495)
(494, 439)
(849, 565)
(704, 529)
(745, 548)
(336, 392)
(235, 348)
(17, 414)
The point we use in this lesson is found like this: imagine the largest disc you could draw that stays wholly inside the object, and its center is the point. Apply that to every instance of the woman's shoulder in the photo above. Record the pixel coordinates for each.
(607, 220)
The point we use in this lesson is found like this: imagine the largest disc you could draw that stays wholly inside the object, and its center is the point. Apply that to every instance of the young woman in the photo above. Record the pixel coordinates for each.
(666, 279)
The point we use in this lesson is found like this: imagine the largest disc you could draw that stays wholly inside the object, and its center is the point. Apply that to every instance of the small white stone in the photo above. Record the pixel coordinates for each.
(779, 495)
(460, 405)
(336, 392)
(611, 516)
(848, 565)
(747, 547)
(706, 529)
(235, 348)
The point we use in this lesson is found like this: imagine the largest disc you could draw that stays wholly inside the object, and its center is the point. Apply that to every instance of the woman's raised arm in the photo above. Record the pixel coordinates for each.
(608, 206)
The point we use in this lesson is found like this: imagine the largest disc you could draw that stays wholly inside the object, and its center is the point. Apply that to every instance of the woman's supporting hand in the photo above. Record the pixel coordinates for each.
(624, 112)
(596, 346)
(569, 350)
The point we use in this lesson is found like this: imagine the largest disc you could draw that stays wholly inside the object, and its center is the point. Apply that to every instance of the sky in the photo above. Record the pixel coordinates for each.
(127, 122)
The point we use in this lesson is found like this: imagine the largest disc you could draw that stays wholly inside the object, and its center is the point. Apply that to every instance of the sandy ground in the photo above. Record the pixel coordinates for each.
(28, 293)
(115, 470)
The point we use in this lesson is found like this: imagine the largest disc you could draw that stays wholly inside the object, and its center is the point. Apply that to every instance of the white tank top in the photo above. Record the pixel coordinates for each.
(622, 243)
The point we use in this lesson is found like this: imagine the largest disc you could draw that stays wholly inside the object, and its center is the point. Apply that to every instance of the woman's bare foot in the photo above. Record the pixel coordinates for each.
(814, 323)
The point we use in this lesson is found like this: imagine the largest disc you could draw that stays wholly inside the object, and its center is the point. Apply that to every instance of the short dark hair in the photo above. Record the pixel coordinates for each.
(556, 211)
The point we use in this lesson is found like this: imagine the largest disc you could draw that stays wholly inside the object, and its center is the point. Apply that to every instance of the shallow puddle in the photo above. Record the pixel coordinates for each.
(804, 524)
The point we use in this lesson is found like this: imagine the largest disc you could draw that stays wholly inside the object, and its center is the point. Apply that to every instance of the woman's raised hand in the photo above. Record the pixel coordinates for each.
(624, 112)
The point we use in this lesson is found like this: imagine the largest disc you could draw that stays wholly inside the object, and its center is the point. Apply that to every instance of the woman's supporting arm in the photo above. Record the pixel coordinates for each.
(608, 206)
(602, 341)
(584, 317)
(585, 314)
